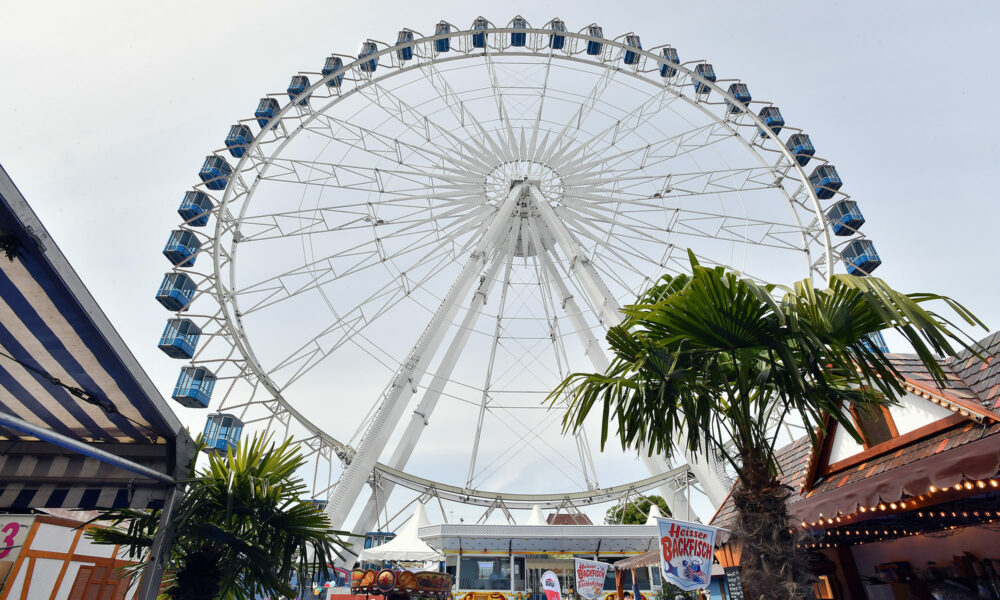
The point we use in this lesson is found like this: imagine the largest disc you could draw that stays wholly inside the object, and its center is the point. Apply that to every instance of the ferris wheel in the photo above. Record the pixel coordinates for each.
(399, 256)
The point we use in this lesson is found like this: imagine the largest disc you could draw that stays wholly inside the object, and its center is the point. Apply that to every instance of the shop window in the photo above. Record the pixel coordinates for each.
(485, 573)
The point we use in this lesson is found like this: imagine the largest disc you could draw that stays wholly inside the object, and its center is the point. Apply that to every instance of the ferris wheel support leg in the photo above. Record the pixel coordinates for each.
(406, 379)
(604, 301)
(675, 498)
(421, 416)
(608, 311)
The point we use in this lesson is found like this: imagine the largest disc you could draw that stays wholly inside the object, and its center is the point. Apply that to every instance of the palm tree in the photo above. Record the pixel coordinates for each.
(717, 362)
(635, 512)
(242, 528)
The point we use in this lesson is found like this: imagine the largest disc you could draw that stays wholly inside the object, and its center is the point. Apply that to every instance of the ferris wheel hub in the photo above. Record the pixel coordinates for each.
(503, 177)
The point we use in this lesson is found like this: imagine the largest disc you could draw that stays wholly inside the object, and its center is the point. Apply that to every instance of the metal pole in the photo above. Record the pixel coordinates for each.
(152, 575)
(47, 435)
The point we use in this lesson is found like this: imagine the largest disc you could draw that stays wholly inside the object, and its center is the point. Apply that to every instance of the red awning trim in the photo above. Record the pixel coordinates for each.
(975, 460)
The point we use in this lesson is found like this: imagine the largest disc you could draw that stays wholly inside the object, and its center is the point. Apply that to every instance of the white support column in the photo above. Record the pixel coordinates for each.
(406, 380)
(609, 313)
(605, 303)
(600, 362)
(422, 414)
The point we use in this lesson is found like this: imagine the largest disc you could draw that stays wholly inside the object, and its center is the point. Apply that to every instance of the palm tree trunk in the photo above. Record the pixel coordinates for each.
(771, 566)
(198, 576)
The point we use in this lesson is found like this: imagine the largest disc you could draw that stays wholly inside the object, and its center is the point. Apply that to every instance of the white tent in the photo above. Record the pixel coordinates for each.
(536, 518)
(407, 545)
(654, 513)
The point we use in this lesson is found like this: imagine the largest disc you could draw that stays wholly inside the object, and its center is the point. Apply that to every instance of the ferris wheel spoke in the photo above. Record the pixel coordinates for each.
(721, 181)
(588, 104)
(531, 437)
(357, 177)
(653, 154)
(349, 325)
(393, 146)
(533, 149)
(641, 114)
(408, 215)
(358, 259)
(484, 399)
(512, 150)
(452, 100)
(398, 109)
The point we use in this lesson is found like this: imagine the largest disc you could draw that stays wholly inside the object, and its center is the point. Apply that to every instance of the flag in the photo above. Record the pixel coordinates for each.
(590, 576)
(550, 583)
(686, 551)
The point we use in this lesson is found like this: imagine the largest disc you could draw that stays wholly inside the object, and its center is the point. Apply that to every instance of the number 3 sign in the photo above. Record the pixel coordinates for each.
(8, 535)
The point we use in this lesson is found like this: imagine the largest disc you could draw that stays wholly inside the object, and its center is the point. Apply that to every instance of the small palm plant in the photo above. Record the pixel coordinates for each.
(242, 528)
(723, 360)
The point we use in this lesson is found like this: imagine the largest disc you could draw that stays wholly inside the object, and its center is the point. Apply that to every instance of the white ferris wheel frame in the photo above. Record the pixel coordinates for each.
(361, 462)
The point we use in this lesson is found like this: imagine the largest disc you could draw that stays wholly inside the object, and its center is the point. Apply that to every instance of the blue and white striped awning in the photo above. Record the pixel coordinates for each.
(63, 367)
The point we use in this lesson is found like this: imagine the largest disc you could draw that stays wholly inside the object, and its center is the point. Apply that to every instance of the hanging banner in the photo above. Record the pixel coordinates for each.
(550, 583)
(590, 576)
(686, 551)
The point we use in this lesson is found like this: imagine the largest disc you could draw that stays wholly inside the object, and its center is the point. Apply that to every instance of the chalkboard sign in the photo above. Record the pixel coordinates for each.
(734, 584)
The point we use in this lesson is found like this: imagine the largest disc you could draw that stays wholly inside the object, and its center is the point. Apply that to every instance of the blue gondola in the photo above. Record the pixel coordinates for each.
(706, 71)
(222, 432)
(631, 56)
(333, 64)
(557, 41)
(443, 44)
(876, 340)
(845, 217)
(238, 139)
(772, 118)
(176, 291)
(405, 51)
(741, 93)
(180, 338)
(266, 109)
(669, 56)
(594, 47)
(860, 257)
(368, 49)
(181, 248)
(801, 147)
(195, 208)
(517, 38)
(479, 39)
(319, 503)
(215, 172)
(825, 181)
(297, 88)
(194, 387)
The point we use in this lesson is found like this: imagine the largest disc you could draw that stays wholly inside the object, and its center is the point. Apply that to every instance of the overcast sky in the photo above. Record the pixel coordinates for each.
(110, 107)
